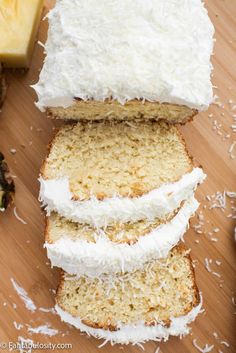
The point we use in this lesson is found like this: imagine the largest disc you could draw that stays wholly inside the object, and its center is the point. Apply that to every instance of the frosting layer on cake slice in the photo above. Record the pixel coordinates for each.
(125, 60)
(102, 173)
(83, 250)
(155, 302)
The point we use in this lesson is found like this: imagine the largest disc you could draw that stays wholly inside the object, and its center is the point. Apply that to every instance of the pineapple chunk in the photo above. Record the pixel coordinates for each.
(19, 21)
(7, 187)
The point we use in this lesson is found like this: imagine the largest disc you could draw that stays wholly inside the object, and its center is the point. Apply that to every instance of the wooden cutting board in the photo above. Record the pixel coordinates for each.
(22, 257)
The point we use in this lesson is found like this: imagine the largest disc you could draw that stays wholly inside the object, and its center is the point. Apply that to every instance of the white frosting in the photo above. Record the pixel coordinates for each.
(153, 50)
(135, 333)
(93, 259)
(56, 196)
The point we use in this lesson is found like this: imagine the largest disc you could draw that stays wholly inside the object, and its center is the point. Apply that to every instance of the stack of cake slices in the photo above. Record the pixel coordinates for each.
(119, 197)
(118, 185)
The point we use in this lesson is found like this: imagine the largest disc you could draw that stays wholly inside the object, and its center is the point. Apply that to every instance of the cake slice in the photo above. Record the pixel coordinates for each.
(7, 188)
(153, 303)
(84, 250)
(106, 172)
(129, 61)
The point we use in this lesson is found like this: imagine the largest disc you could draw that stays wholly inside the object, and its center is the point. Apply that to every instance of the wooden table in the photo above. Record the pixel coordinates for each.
(22, 257)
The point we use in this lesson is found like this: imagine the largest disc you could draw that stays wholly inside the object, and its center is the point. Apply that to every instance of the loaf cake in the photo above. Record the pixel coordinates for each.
(155, 302)
(103, 172)
(120, 60)
(84, 250)
(7, 187)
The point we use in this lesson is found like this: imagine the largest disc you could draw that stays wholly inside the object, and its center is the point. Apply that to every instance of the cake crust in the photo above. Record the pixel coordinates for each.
(131, 110)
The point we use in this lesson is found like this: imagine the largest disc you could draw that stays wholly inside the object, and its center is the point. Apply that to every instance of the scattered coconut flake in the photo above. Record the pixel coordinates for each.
(24, 296)
(232, 147)
(231, 194)
(214, 240)
(43, 330)
(18, 326)
(216, 274)
(216, 230)
(103, 343)
(215, 335)
(225, 343)
(41, 44)
(233, 301)
(25, 345)
(50, 310)
(219, 200)
(18, 217)
(218, 263)
(157, 350)
(13, 151)
(206, 349)
(138, 344)
(207, 265)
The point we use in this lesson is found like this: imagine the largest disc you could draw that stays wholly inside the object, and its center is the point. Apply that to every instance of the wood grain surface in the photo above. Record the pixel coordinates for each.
(211, 235)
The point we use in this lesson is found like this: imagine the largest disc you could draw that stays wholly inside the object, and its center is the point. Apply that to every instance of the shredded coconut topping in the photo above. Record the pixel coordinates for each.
(147, 51)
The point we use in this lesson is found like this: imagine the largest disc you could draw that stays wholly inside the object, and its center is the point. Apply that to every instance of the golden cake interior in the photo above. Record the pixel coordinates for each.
(117, 158)
(162, 289)
(58, 227)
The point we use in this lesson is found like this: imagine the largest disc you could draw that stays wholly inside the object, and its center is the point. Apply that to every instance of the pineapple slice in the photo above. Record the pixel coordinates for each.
(19, 21)
(7, 187)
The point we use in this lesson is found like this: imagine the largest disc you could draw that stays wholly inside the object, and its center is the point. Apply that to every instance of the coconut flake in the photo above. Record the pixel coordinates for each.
(225, 343)
(43, 330)
(206, 349)
(18, 326)
(18, 217)
(25, 345)
(216, 274)
(48, 310)
(207, 265)
(29, 304)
